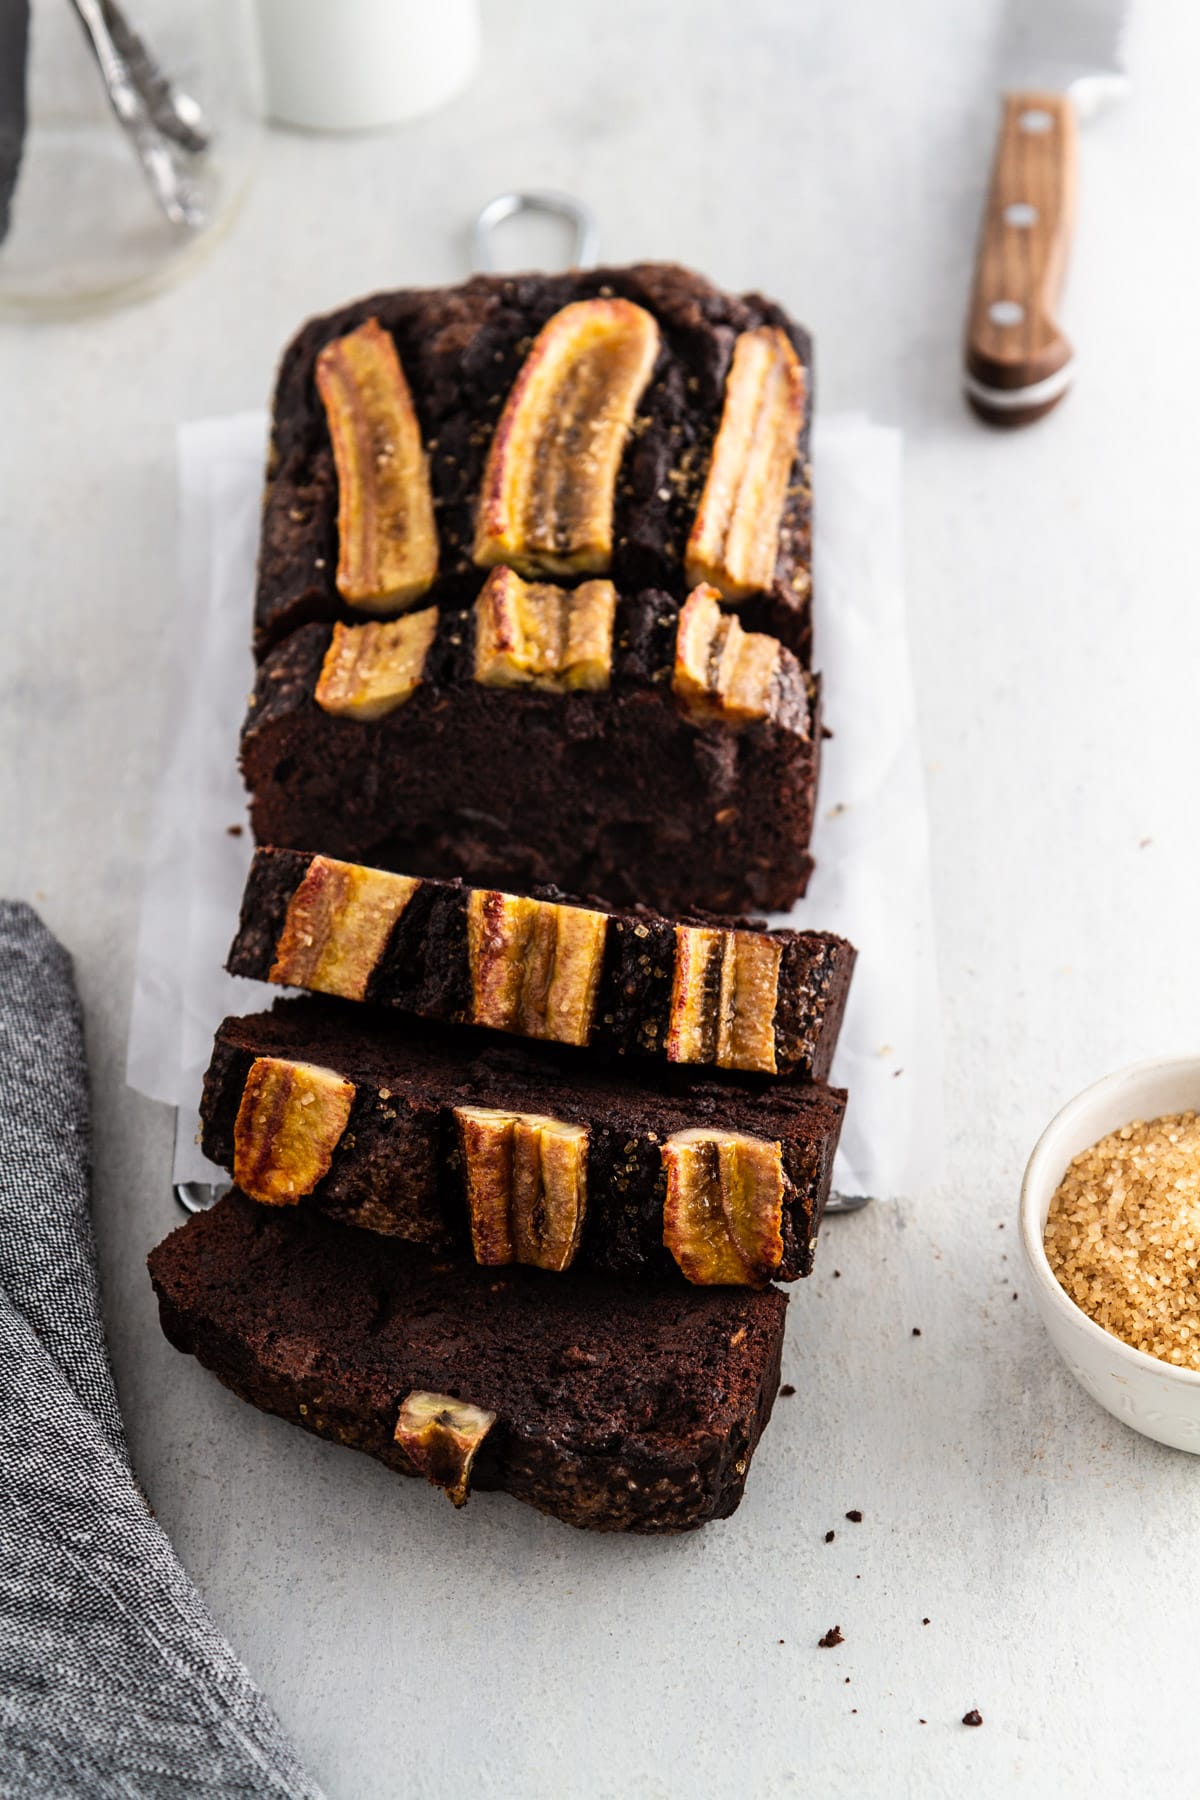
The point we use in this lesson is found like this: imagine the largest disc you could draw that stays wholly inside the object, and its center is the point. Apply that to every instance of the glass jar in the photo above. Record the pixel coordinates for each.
(85, 229)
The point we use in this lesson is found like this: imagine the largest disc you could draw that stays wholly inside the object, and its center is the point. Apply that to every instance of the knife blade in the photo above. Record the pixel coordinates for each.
(14, 54)
(1061, 60)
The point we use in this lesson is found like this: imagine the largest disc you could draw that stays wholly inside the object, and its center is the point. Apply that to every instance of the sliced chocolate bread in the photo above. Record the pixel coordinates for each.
(727, 997)
(612, 1406)
(519, 1154)
(614, 745)
(633, 422)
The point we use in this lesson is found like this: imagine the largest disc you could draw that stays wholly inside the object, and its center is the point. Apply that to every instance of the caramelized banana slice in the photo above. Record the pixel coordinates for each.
(546, 503)
(535, 966)
(724, 998)
(370, 670)
(735, 536)
(693, 1026)
(387, 539)
(749, 998)
(526, 1179)
(722, 672)
(529, 634)
(723, 1214)
(440, 1436)
(499, 930)
(486, 1140)
(289, 1123)
(337, 926)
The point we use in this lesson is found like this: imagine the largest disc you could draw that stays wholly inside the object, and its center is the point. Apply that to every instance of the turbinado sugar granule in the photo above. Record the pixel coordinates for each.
(1123, 1236)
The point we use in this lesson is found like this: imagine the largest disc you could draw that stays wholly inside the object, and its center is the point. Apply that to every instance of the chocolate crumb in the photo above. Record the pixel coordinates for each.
(916, 1331)
(896, 1072)
(787, 1390)
(234, 830)
(1000, 1226)
(781, 1640)
(854, 1516)
(920, 1721)
(924, 1621)
(1016, 1296)
(847, 1681)
(974, 1717)
(832, 1638)
(829, 1537)
(837, 1274)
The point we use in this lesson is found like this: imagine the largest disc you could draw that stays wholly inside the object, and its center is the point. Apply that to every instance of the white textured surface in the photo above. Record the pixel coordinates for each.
(833, 154)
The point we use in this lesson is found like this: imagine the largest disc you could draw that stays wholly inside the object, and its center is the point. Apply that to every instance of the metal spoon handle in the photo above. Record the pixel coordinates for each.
(178, 197)
(176, 114)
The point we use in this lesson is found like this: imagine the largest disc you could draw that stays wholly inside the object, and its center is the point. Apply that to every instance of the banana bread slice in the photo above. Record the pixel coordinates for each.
(615, 744)
(609, 1406)
(726, 995)
(516, 1153)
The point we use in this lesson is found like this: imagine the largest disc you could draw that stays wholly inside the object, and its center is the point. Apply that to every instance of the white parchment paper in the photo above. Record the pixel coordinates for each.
(870, 843)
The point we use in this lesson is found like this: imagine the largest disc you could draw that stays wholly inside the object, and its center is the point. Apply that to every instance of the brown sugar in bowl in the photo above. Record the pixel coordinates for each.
(1154, 1395)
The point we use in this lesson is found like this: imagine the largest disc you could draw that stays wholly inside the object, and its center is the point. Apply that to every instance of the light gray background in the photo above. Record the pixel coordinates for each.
(834, 155)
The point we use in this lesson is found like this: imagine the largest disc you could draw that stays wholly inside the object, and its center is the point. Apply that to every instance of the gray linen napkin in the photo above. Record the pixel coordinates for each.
(113, 1678)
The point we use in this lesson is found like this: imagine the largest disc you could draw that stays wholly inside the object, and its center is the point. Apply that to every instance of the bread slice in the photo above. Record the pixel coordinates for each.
(607, 1405)
(432, 1131)
(703, 995)
(626, 789)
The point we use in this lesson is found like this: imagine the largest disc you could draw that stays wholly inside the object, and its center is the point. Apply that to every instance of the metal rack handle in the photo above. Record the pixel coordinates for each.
(586, 243)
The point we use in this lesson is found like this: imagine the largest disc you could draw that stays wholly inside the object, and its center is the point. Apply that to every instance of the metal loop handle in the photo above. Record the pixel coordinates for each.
(847, 1203)
(198, 1196)
(586, 244)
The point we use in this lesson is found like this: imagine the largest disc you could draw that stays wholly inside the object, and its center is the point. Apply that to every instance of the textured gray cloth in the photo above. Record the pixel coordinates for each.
(113, 1678)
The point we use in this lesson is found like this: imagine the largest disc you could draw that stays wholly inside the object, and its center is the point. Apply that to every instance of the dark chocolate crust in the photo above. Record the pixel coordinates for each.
(461, 349)
(424, 968)
(618, 1408)
(398, 1167)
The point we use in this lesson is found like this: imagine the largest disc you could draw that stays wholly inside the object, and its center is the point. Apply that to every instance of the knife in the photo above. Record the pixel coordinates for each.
(14, 49)
(1063, 59)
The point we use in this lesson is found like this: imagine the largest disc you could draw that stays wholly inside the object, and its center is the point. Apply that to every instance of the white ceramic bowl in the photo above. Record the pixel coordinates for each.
(1153, 1397)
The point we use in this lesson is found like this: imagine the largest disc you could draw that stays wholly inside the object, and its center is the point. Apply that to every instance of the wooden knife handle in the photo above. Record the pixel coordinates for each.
(1018, 363)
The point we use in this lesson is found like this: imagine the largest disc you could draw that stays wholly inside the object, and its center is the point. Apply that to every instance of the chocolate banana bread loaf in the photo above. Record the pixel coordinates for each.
(612, 1406)
(618, 746)
(517, 1153)
(633, 422)
(732, 997)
